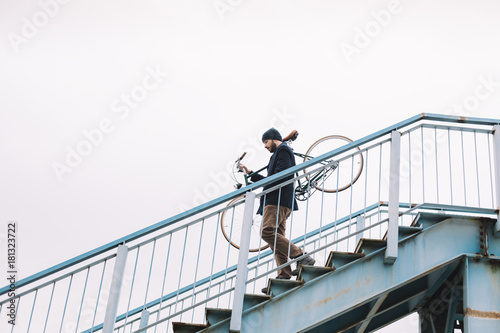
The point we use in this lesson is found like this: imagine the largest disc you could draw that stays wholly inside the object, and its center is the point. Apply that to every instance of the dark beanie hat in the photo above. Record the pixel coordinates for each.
(271, 134)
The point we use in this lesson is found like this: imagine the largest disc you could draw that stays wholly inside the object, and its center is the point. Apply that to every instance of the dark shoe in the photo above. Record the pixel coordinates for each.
(306, 261)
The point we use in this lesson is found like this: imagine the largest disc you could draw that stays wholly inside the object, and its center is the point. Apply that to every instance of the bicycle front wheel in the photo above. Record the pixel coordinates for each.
(340, 175)
(231, 224)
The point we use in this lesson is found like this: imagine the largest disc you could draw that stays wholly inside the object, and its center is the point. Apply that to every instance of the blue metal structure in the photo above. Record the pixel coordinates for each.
(441, 276)
(418, 232)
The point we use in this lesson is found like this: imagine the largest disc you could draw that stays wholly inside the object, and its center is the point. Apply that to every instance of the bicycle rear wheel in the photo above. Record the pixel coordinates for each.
(340, 175)
(231, 223)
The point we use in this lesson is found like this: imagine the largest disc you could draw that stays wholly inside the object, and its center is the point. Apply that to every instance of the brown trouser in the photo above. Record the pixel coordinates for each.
(271, 222)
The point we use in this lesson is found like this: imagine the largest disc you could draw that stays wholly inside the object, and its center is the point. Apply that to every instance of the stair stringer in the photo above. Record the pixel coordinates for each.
(334, 302)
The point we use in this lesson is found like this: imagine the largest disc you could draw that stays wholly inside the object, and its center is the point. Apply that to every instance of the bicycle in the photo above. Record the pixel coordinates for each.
(345, 173)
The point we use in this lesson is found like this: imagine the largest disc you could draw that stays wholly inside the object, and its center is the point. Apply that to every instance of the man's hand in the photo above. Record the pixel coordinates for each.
(244, 168)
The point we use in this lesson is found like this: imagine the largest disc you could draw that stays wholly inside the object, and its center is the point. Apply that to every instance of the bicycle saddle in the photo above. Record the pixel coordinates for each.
(292, 136)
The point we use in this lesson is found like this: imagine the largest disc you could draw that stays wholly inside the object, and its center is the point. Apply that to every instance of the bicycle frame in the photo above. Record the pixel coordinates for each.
(303, 186)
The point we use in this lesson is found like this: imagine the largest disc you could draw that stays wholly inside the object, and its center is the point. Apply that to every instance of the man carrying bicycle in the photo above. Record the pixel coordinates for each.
(277, 205)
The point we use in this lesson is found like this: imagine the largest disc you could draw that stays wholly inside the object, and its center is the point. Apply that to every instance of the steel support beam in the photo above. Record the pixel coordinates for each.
(452, 309)
(391, 253)
(372, 312)
(116, 286)
(241, 273)
(481, 295)
(438, 313)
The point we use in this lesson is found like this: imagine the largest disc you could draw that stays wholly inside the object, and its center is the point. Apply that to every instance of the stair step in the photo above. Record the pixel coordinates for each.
(338, 259)
(404, 231)
(251, 300)
(425, 220)
(367, 245)
(187, 328)
(214, 316)
(308, 273)
(276, 287)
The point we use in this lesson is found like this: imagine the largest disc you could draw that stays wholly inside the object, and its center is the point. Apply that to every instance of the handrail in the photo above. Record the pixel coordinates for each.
(234, 267)
(268, 180)
(361, 212)
(410, 207)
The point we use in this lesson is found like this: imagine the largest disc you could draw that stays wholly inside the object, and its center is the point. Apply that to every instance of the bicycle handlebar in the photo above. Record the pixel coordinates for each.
(239, 159)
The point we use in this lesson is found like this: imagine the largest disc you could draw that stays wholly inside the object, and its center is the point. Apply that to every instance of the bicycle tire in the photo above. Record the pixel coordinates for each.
(346, 173)
(231, 223)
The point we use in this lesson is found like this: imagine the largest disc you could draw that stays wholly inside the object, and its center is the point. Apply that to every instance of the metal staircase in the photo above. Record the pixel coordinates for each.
(362, 294)
(419, 232)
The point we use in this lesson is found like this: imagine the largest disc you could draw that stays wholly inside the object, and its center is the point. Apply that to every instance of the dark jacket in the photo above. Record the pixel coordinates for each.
(281, 159)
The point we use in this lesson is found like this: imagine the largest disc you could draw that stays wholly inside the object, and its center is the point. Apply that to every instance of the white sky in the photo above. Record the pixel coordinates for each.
(231, 75)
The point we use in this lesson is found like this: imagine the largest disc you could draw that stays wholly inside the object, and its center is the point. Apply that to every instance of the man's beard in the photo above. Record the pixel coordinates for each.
(273, 147)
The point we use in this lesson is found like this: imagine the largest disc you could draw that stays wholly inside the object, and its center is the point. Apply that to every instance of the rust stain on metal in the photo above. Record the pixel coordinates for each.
(482, 314)
(340, 293)
(363, 282)
(462, 119)
(494, 264)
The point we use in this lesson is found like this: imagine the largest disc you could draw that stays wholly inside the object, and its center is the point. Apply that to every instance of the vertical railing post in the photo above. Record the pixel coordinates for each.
(496, 148)
(241, 273)
(116, 285)
(360, 224)
(391, 253)
(144, 318)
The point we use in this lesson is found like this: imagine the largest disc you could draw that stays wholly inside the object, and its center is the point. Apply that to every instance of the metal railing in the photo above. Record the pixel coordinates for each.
(174, 269)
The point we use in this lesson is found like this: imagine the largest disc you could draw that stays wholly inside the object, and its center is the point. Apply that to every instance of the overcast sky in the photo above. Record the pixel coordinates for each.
(116, 115)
